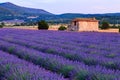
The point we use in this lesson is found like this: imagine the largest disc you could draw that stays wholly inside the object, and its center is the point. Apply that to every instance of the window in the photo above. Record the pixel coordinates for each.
(75, 23)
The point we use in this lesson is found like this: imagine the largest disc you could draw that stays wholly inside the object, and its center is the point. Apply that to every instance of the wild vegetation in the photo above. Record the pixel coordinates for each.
(2, 25)
(105, 25)
(43, 25)
(52, 55)
(62, 28)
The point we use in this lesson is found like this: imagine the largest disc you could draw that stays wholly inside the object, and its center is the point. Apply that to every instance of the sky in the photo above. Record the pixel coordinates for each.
(71, 6)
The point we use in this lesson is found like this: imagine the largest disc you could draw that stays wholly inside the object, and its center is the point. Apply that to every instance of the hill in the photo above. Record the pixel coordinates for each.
(13, 9)
(10, 11)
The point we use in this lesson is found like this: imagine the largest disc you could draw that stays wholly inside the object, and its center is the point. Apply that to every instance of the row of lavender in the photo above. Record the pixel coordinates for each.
(73, 70)
(58, 64)
(13, 68)
(111, 61)
(88, 59)
(110, 41)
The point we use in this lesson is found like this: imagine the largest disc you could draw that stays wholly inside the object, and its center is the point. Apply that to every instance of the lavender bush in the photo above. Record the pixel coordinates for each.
(77, 56)
(13, 68)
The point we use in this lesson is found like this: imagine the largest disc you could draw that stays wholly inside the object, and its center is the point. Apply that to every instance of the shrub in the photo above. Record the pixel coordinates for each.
(1, 26)
(105, 25)
(43, 25)
(62, 28)
(119, 28)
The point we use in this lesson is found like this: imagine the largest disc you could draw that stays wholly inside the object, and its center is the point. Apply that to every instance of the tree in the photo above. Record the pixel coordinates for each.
(62, 28)
(105, 25)
(43, 25)
(2, 25)
(119, 28)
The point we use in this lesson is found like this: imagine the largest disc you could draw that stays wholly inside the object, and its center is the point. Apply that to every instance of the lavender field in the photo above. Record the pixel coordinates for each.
(59, 55)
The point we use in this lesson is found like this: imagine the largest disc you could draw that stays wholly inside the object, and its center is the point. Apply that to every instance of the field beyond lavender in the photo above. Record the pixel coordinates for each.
(59, 55)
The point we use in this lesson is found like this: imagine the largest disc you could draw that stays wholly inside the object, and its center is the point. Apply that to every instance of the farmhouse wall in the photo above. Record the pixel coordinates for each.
(88, 26)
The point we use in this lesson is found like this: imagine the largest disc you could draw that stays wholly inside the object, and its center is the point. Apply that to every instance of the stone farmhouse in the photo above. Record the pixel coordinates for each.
(84, 24)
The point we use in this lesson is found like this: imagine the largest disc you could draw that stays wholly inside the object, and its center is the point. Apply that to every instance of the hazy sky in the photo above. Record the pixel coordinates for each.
(71, 6)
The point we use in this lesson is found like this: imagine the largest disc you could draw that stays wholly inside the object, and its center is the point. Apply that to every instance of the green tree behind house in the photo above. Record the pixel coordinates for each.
(105, 25)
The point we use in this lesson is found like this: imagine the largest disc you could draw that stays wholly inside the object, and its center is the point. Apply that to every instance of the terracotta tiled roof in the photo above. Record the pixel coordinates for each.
(85, 19)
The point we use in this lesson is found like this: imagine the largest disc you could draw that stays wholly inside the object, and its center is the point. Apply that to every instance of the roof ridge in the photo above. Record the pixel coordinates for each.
(85, 19)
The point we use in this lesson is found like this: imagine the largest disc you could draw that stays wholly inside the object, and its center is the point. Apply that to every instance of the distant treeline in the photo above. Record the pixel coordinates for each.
(65, 18)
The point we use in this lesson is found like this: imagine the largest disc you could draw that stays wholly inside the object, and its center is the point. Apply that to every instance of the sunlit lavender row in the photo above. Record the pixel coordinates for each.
(86, 58)
(12, 68)
(76, 56)
(58, 64)
(85, 55)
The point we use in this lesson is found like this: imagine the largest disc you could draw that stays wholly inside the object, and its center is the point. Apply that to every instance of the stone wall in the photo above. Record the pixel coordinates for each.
(88, 26)
(109, 30)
